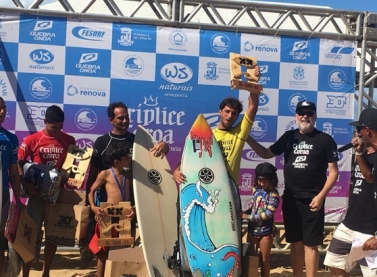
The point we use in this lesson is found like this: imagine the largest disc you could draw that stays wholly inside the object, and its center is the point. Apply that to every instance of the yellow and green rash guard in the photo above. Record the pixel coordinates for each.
(231, 143)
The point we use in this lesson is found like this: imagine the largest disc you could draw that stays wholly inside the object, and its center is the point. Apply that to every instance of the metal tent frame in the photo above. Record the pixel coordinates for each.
(238, 16)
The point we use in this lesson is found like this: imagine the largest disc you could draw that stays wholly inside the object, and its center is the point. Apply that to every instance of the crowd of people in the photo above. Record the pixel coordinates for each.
(310, 171)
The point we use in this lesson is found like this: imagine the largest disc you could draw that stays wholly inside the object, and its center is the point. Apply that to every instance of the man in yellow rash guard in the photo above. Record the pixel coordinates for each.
(231, 139)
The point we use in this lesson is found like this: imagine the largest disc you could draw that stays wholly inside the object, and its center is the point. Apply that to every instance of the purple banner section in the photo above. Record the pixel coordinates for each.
(342, 185)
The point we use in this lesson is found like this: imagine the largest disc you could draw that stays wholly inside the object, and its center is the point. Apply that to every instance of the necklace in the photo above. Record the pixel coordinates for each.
(122, 191)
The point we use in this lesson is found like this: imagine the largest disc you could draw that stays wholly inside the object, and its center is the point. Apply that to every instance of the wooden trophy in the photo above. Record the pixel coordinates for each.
(107, 227)
(237, 62)
(76, 165)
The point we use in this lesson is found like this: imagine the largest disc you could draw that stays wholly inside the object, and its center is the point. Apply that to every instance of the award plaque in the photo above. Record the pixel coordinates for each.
(237, 65)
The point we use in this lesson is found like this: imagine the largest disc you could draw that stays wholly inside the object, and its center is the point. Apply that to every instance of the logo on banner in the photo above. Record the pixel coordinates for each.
(298, 72)
(337, 52)
(86, 63)
(176, 73)
(125, 37)
(291, 125)
(41, 56)
(260, 47)
(149, 113)
(36, 115)
(150, 101)
(3, 87)
(88, 34)
(178, 38)
(299, 75)
(246, 182)
(263, 101)
(40, 31)
(133, 65)
(337, 79)
(259, 129)
(299, 50)
(86, 119)
(327, 128)
(40, 88)
(85, 91)
(211, 72)
(263, 79)
(84, 142)
(251, 155)
(42, 25)
(336, 104)
(294, 99)
(220, 43)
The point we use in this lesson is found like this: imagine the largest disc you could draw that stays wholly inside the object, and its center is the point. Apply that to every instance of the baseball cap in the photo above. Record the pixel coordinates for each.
(265, 169)
(306, 104)
(367, 118)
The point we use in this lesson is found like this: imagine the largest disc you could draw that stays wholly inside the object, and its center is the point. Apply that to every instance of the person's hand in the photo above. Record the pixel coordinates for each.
(257, 71)
(358, 144)
(370, 244)
(178, 176)
(241, 214)
(160, 149)
(131, 215)
(316, 204)
(97, 212)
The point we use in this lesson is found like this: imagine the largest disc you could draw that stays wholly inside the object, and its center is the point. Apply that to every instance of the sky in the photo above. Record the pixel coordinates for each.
(353, 5)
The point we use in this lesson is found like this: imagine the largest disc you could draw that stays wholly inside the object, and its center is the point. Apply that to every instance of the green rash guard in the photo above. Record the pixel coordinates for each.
(231, 143)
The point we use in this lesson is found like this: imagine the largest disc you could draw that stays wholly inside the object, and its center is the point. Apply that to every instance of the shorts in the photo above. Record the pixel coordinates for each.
(340, 247)
(4, 216)
(300, 223)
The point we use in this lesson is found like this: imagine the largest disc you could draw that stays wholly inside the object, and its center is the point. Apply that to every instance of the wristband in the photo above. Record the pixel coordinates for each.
(360, 153)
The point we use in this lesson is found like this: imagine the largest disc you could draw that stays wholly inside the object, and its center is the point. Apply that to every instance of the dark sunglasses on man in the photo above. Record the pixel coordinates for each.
(307, 113)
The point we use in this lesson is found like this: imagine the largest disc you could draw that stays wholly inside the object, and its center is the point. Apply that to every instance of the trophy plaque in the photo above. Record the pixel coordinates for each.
(237, 65)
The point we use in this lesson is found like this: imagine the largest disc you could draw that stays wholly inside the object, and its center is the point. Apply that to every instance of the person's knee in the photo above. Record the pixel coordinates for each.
(311, 248)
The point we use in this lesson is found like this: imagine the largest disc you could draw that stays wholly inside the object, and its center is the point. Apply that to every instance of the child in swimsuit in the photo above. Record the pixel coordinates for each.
(260, 215)
(117, 182)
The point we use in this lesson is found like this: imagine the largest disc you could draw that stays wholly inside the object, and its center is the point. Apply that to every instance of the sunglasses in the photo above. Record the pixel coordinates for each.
(359, 128)
(307, 113)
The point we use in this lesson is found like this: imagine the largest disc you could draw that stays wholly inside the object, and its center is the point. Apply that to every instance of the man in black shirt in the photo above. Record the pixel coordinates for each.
(118, 116)
(308, 153)
(359, 222)
(367, 129)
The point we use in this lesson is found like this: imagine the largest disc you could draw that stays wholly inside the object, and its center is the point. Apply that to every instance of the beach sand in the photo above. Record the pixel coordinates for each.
(68, 264)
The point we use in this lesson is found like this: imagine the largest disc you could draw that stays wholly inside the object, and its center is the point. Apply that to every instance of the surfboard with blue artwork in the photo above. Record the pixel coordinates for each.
(209, 224)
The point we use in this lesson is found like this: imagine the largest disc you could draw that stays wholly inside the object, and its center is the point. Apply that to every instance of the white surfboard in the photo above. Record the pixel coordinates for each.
(155, 197)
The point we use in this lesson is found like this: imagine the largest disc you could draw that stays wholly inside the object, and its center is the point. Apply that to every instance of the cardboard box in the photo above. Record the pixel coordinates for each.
(27, 237)
(72, 197)
(249, 262)
(126, 261)
(66, 224)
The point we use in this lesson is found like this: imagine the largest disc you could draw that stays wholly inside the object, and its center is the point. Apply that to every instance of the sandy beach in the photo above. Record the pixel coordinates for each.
(68, 264)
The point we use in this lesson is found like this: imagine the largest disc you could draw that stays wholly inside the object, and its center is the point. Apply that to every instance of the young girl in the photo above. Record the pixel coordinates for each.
(260, 215)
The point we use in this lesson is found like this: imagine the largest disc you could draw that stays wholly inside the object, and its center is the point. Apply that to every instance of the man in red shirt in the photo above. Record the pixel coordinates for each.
(48, 147)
